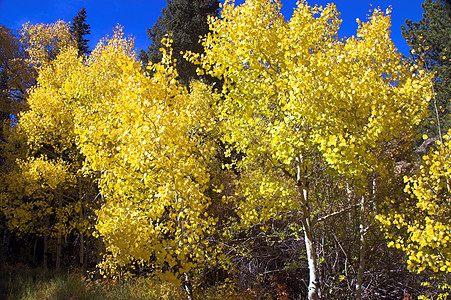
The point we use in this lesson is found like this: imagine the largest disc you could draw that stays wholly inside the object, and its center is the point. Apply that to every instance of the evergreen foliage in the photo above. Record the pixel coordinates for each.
(186, 20)
(430, 41)
(79, 29)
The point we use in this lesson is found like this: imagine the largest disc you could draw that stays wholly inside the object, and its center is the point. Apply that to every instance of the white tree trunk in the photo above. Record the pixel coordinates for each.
(187, 287)
(313, 286)
(362, 262)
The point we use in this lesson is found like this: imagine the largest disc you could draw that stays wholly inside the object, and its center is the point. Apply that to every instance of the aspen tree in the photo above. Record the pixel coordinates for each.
(142, 134)
(296, 95)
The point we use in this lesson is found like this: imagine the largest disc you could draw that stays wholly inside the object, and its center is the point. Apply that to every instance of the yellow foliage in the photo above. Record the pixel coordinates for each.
(294, 90)
(425, 221)
(49, 120)
(45, 41)
(17, 75)
(142, 134)
(32, 194)
(41, 148)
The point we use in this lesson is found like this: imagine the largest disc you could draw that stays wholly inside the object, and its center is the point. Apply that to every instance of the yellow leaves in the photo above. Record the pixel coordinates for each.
(299, 72)
(145, 136)
(45, 41)
(332, 140)
(428, 240)
(50, 174)
(33, 188)
(142, 134)
(294, 97)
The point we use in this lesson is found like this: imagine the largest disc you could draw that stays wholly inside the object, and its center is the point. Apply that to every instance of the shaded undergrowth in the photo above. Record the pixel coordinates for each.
(23, 283)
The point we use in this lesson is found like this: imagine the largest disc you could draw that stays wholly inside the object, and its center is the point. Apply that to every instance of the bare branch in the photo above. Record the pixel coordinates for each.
(336, 213)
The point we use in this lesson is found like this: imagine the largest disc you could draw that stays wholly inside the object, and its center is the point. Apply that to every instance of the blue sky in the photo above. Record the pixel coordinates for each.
(137, 15)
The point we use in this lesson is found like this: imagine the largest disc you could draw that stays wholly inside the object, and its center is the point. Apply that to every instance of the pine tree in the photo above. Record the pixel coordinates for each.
(186, 20)
(79, 29)
(430, 43)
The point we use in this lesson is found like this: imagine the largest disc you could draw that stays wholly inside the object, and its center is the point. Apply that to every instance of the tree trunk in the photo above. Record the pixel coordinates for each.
(34, 249)
(313, 290)
(5, 241)
(187, 287)
(58, 253)
(99, 250)
(45, 262)
(313, 286)
(99, 254)
(82, 251)
(59, 241)
(362, 262)
(85, 258)
(82, 240)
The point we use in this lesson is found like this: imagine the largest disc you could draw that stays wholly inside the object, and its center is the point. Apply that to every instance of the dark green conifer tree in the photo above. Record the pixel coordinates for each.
(79, 30)
(186, 20)
(430, 43)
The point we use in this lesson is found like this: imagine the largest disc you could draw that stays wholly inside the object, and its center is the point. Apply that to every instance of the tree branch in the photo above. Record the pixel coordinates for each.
(335, 213)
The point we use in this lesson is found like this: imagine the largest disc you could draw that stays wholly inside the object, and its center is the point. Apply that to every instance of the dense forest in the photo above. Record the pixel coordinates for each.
(271, 159)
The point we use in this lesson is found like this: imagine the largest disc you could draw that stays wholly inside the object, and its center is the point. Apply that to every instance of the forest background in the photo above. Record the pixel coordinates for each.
(272, 158)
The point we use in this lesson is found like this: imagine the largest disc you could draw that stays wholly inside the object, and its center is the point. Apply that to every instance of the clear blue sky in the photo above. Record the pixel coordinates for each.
(137, 15)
